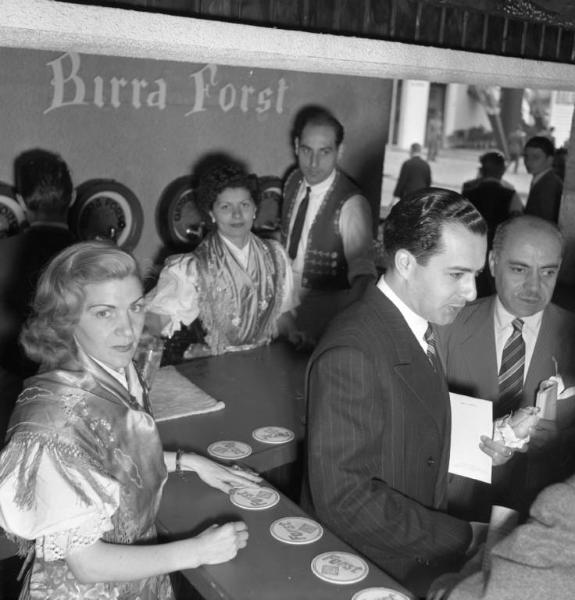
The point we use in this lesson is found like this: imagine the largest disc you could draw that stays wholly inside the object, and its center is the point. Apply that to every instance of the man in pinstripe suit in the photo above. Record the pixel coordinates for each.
(378, 406)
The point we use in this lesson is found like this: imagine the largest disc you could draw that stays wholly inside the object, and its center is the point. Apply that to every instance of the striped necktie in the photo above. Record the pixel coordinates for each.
(511, 372)
(298, 225)
(432, 353)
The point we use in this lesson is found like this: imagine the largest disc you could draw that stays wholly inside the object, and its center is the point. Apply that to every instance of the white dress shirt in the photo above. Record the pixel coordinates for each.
(502, 320)
(417, 324)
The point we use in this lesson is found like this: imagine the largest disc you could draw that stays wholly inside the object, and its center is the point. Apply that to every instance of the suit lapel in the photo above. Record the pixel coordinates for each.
(411, 364)
(478, 349)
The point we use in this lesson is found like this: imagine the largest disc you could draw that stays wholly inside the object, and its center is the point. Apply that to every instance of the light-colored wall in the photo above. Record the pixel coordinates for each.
(413, 113)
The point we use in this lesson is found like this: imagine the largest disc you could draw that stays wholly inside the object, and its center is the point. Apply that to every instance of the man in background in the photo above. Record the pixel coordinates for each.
(45, 187)
(415, 173)
(326, 224)
(496, 200)
(378, 435)
(501, 348)
(434, 135)
(546, 187)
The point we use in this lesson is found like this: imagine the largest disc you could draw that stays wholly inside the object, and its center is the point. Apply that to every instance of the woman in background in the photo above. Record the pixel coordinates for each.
(82, 473)
(240, 286)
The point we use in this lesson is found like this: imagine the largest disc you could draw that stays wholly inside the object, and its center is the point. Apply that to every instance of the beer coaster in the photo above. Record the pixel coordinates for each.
(339, 567)
(379, 593)
(296, 530)
(254, 498)
(229, 449)
(273, 435)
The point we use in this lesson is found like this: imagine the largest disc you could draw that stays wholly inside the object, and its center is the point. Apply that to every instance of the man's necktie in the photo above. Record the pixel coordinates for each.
(511, 372)
(432, 353)
(298, 225)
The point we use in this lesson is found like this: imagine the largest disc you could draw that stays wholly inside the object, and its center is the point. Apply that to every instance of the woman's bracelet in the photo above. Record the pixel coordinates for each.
(179, 470)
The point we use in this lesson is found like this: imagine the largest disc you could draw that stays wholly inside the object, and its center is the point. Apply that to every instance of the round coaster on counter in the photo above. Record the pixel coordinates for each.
(254, 498)
(379, 593)
(229, 449)
(273, 435)
(296, 530)
(339, 567)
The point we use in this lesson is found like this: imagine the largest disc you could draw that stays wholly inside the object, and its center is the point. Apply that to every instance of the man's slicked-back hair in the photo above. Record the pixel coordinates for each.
(415, 223)
(541, 142)
(43, 180)
(317, 115)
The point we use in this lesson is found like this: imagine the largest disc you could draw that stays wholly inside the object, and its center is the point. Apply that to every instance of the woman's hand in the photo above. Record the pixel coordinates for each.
(218, 544)
(220, 476)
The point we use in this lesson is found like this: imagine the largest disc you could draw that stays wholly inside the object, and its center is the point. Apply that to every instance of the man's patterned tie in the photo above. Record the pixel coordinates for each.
(511, 372)
(432, 353)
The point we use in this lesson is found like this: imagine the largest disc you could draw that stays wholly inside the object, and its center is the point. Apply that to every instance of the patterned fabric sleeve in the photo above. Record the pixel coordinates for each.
(355, 223)
(176, 295)
(289, 296)
(47, 498)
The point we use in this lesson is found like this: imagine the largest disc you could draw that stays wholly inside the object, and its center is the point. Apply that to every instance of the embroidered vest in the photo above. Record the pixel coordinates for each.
(325, 266)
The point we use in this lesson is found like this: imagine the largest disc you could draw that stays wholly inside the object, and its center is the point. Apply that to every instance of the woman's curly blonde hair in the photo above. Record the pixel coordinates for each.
(48, 336)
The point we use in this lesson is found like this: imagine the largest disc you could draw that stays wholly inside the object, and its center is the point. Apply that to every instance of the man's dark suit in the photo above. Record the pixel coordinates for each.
(545, 197)
(378, 443)
(415, 174)
(23, 258)
(468, 348)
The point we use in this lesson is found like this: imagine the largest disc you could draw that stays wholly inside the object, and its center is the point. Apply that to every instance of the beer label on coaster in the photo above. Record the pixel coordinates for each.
(254, 498)
(229, 449)
(379, 593)
(339, 567)
(296, 530)
(273, 435)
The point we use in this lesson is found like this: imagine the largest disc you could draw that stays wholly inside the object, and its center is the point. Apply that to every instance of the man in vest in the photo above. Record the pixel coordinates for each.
(326, 224)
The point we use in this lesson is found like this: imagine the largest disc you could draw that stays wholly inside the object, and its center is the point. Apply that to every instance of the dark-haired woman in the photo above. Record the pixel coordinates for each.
(238, 285)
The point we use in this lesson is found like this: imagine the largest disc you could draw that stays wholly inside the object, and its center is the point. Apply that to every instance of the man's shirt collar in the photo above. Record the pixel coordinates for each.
(415, 322)
(322, 187)
(503, 318)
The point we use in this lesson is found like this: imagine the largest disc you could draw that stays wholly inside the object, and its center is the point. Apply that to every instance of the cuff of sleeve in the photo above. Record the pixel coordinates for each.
(56, 546)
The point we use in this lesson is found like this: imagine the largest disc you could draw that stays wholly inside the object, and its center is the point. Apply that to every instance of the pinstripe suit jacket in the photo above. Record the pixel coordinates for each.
(378, 443)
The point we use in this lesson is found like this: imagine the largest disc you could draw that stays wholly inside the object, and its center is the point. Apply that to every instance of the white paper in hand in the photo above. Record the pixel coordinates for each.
(470, 419)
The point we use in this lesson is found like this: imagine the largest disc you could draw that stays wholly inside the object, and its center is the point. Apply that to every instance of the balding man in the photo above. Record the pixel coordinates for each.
(518, 330)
